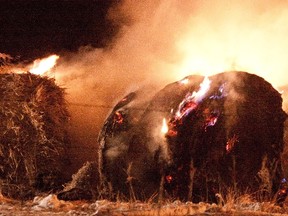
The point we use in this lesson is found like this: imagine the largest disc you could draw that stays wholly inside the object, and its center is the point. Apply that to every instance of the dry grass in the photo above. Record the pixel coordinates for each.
(50, 205)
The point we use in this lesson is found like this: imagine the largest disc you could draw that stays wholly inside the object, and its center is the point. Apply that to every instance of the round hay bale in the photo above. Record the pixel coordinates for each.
(230, 137)
(33, 137)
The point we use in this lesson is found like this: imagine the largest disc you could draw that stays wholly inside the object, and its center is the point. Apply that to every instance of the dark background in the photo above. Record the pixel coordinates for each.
(30, 29)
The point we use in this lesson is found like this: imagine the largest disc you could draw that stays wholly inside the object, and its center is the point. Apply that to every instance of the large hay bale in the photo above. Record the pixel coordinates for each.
(230, 138)
(33, 137)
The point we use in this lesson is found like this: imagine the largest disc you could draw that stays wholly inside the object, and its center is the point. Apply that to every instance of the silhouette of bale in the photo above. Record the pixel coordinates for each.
(228, 134)
(33, 138)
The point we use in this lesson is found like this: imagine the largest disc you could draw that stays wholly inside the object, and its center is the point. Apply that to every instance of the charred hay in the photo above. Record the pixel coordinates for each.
(231, 138)
(33, 137)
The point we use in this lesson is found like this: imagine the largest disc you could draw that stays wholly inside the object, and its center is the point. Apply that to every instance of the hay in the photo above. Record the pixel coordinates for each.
(83, 185)
(229, 136)
(33, 137)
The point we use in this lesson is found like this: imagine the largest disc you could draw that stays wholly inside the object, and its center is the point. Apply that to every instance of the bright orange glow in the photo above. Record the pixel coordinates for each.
(164, 128)
(239, 35)
(42, 66)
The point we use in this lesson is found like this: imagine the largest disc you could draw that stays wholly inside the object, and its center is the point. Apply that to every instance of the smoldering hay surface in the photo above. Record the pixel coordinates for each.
(227, 135)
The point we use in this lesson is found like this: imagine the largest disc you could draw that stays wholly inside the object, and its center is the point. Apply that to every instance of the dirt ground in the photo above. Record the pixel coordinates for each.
(50, 205)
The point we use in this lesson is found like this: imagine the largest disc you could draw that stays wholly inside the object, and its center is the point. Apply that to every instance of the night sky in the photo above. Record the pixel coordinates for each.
(30, 29)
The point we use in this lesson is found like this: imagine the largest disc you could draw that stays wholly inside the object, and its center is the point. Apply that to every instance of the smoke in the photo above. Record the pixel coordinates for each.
(163, 41)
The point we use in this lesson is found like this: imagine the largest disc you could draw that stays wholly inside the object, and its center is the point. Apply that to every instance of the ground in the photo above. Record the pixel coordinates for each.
(50, 205)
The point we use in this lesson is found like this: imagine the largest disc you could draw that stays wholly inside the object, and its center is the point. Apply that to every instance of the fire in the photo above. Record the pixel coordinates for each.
(118, 117)
(188, 104)
(42, 66)
(210, 117)
(164, 128)
(169, 178)
(191, 100)
(231, 143)
(204, 87)
(184, 81)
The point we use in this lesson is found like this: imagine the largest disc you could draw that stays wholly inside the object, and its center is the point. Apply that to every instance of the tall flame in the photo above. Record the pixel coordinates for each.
(164, 128)
(42, 66)
(204, 87)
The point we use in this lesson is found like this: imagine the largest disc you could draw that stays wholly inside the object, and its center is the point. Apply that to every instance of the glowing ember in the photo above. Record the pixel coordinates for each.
(231, 143)
(164, 128)
(118, 117)
(169, 178)
(172, 132)
(42, 66)
(211, 118)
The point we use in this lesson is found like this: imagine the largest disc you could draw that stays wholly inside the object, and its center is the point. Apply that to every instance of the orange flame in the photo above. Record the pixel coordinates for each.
(164, 128)
(42, 66)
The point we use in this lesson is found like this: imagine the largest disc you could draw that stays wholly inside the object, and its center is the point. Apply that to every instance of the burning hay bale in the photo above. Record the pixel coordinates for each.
(117, 129)
(195, 138)
(33, 137)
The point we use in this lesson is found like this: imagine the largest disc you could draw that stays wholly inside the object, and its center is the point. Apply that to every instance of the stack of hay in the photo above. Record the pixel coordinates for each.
(33, 137)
